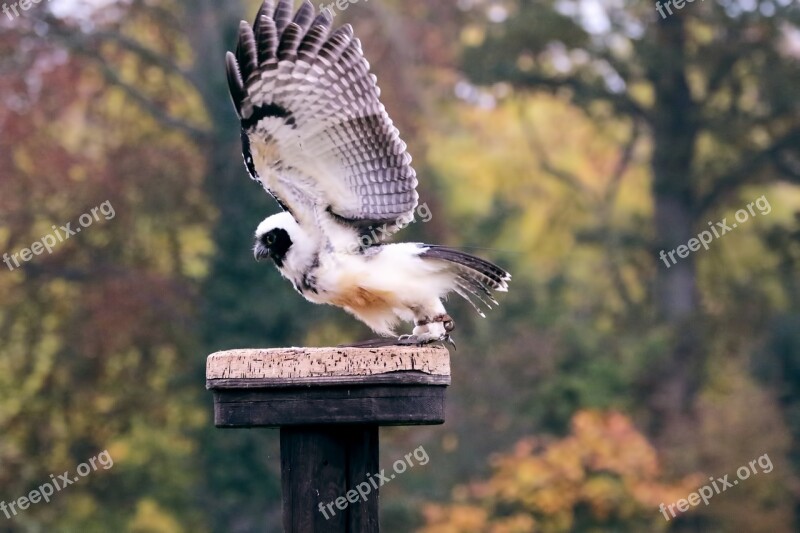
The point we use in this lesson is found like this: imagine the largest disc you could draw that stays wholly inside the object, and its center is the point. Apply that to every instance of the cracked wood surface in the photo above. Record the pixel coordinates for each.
(237, 368)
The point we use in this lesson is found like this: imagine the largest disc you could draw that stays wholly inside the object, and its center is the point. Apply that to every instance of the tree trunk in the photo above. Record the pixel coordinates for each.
(674, 133)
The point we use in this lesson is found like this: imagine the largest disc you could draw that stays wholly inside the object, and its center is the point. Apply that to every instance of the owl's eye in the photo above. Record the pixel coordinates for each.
(270, 239)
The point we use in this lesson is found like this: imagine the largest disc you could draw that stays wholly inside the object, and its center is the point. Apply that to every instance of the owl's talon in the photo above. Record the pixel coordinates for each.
(424, 339)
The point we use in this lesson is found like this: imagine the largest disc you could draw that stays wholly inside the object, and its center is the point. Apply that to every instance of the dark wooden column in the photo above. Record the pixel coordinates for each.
(321, 464)
(328, 404)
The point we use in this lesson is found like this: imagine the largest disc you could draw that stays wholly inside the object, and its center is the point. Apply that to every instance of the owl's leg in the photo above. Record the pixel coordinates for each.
(430, 325)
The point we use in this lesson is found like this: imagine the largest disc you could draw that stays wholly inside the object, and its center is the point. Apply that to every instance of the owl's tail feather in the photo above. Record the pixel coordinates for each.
(473, 277)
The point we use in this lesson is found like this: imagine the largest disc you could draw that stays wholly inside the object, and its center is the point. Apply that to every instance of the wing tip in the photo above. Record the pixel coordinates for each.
(325, 17)
(235, 82)
(247, 51)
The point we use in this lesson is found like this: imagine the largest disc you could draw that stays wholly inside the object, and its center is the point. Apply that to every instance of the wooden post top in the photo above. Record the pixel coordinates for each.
(284, 367)
(393, 385)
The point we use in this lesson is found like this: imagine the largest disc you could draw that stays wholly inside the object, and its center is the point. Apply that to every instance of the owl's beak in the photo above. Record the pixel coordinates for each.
(260, 252)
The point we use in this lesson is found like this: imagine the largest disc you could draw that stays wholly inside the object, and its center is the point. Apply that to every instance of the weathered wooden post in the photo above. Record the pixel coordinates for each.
(328, 403)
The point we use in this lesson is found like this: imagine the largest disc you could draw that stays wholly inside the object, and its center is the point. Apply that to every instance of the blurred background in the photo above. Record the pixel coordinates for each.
(570, 141)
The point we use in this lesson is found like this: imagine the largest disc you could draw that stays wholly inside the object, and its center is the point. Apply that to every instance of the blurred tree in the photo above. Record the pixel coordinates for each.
(603, 476)
(651, 129)
(95, 334)
(709, 85)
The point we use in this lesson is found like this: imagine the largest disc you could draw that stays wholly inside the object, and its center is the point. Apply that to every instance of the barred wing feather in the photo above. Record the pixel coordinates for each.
(315, 133)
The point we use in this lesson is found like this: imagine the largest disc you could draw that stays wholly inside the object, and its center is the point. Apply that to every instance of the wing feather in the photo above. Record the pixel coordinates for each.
(264, 12)
(312, 43)
(267, 37)
(318, 137)
(247, 52)
(325, 18)
(283, 15)
(304, 16)
(235, 83)
(290, 40)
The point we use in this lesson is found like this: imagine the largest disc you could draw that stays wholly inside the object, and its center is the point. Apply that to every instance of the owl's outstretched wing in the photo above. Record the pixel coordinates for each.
(314, 131)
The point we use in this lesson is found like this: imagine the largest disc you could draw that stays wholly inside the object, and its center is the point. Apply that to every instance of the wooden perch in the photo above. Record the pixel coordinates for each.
(329, 403)
(309, 365)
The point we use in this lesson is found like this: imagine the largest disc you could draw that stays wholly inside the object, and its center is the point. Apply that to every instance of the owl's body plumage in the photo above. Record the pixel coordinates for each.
(316, 136)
